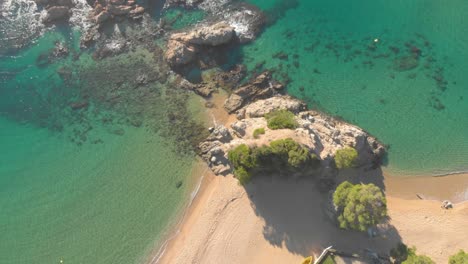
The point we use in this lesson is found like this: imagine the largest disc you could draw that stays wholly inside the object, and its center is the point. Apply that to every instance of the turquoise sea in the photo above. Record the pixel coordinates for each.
(103, 182)
(396, 68)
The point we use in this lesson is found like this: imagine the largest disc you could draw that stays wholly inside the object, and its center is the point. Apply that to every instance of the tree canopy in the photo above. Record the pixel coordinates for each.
(359, 206)
(280, 154)
(346, 158)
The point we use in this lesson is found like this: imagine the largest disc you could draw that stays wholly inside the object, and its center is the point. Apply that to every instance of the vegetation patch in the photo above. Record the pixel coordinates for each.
(281, 119)
(259, 131)
(413, 258)
(359, 206)
(460, 258)
(346, 158)
(281, 155)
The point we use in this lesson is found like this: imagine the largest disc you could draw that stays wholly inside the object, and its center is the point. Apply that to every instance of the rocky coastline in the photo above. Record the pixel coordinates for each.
(321, 134)
(250, 102)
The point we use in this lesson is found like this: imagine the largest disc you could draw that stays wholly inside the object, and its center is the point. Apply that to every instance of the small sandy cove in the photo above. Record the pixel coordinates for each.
(275, 220)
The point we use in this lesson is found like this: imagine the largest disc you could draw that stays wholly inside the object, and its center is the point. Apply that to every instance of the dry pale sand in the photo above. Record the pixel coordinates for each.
(280, 221)
(275, 220)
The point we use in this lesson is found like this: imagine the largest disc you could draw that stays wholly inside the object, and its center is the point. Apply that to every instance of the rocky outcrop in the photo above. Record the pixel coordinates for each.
(259, 88)
(262, 107)
(109, 9)
(212, 35)
(182, 48)
(56, 9)
(246, 20)
(320, 134)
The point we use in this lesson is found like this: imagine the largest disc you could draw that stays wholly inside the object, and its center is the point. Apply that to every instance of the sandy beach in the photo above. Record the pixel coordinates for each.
(274, 220)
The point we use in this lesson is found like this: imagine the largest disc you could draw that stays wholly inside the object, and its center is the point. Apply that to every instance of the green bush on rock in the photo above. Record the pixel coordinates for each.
(279, 155)
(359, 206)
(241, 156)
(281, 119)
(460, 258)
(259, 131)
(346, 158)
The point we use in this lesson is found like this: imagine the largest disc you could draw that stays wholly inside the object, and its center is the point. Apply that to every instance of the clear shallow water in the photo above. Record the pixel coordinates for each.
(105, 203)
(326, 50)
(94, 185)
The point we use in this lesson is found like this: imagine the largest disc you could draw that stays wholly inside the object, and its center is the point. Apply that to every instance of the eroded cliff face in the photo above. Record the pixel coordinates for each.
(321, 134)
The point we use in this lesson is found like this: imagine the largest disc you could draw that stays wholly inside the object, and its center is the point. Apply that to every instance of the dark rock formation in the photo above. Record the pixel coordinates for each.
(56, 9)
(259, 88)
(108, 9)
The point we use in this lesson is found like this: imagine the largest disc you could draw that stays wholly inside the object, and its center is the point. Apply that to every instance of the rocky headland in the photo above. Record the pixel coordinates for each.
(321, 134)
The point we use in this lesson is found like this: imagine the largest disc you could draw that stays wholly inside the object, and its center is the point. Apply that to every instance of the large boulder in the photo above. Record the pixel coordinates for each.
(55, 13)
(179, 53)
(262, 107)
(182, 48)
(212, 35)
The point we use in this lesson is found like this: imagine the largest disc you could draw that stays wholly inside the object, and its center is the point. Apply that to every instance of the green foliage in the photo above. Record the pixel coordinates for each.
(460, 258)
(329, 260)
(281, 119)
(281, 154)
(360, 206)
(259, 131)
(243, 160)
(241, 156)
(345, 158)
(290, 151)
(417, 259)
(399, 253)
(242, 175)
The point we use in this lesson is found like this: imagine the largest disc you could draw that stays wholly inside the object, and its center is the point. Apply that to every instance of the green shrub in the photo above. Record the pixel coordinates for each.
(345, 158)
(417, 259)
(259, 131)
(399, 253)
(290, 151)
(460, 258)
(243, 159)
(281, 119)
(359, 206)
(242, 175)
(281, 154)
(241, 156)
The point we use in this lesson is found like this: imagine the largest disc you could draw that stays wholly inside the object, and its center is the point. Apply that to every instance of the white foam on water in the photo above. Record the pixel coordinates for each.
(20, 21)
(81, 18)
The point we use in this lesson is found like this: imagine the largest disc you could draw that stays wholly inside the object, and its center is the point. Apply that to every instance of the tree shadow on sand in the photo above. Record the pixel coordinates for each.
(296, 216)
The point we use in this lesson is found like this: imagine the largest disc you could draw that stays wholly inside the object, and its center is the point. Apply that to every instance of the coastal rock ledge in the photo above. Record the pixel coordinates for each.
(321, 134)
(182, 48)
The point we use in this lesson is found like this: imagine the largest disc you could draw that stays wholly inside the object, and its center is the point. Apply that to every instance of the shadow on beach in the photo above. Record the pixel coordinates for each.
(295, 215)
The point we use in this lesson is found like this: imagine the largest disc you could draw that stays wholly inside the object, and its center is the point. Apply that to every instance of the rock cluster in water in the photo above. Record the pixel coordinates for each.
(56, 9)
(107, 9)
